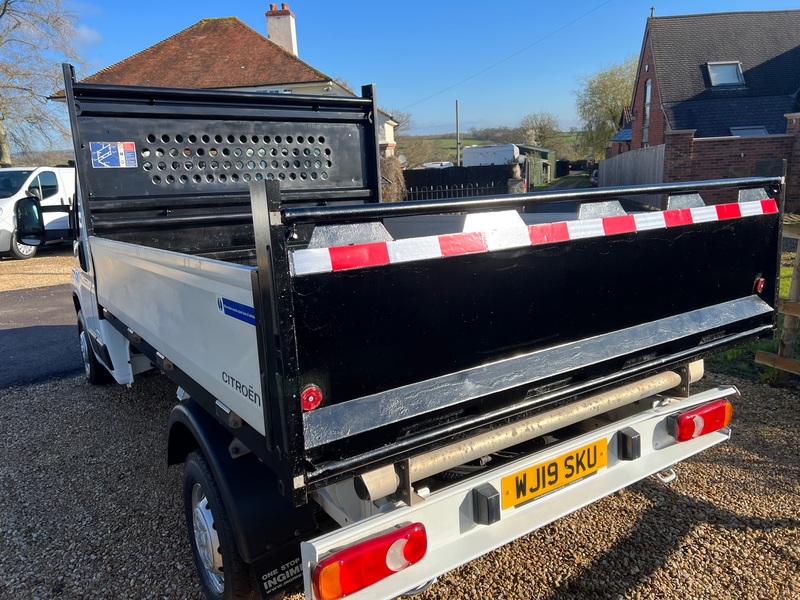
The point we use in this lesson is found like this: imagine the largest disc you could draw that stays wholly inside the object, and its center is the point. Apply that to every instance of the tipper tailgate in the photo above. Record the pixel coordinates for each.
(416, 339)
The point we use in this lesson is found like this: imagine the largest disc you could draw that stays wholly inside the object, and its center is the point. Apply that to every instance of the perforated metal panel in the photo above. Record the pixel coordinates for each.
(193, 156)
(149, 143)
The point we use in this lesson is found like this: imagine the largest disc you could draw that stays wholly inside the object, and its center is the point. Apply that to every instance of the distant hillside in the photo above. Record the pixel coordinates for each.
(50, 158)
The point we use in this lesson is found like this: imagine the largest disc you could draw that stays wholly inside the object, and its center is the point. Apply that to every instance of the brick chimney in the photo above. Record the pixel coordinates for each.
(280, 27)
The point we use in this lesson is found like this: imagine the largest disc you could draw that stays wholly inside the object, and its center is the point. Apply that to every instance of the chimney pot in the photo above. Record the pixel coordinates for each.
(273, 7)
(284, 6)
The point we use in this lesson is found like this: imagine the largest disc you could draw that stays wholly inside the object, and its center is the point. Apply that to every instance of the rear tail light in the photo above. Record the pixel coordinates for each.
(701, 420)
(365, 563)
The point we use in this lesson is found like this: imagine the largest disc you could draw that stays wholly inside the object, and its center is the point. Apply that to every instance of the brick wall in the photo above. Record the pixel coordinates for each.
(793, 170)
(647, 71)
(688, 159)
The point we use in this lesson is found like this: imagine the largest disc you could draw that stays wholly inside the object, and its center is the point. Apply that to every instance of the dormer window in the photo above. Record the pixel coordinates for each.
(749, 130)
(725, 73)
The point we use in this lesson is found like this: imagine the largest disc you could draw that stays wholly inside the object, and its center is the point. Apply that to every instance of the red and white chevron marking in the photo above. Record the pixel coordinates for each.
(356, 256)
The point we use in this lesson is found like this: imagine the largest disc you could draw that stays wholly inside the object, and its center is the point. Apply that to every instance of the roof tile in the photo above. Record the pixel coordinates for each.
(213, 53)
(766, 44)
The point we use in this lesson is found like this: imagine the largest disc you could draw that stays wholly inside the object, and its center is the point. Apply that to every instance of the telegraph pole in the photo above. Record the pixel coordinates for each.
(458, 140)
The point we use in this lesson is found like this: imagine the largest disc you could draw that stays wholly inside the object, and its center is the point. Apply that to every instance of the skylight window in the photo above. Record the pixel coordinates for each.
(749, 130)
(725, 73)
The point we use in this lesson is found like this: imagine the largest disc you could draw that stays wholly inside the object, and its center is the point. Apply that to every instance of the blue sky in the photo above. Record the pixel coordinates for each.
(500, 60)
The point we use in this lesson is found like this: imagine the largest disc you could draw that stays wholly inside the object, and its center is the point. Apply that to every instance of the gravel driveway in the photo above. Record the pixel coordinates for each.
(90, 510)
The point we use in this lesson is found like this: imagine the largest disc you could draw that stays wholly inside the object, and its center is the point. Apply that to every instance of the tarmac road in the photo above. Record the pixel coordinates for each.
(38, 335)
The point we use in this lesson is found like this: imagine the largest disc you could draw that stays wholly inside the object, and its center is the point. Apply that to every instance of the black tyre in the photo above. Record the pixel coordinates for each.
(21, 251)
(96, 373)
(222, 572)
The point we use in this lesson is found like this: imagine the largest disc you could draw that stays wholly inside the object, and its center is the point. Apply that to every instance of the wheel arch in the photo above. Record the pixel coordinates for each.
(265, 523)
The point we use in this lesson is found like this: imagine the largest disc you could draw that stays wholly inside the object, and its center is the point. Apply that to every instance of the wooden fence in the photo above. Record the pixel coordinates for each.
(635, 167)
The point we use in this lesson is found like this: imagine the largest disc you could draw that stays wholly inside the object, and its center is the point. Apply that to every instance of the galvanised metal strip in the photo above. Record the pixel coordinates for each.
(339, 258)
(331, 423)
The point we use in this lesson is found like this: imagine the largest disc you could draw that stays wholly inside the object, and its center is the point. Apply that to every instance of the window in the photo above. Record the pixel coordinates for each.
(749, 130)
(647, 87)
(46, 184)
(725, 73)
(11, 182)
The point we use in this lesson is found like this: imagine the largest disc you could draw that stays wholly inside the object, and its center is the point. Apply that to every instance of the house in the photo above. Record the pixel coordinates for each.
(224, 53)
(718, 94)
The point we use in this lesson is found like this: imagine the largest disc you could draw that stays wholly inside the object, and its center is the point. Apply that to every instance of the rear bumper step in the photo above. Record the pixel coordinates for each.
(455, 535)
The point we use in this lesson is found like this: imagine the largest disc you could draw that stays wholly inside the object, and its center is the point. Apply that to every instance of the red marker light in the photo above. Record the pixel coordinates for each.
(760, 283)
(310, 397)
(365, 563)
(700, 421)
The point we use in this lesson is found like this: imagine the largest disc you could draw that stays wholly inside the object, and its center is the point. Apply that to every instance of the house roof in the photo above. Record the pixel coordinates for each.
(531, 148)
(212, 53)
(625, 134)
(765, 43)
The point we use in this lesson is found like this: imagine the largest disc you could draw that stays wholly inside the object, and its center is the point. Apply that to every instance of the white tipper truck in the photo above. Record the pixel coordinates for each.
(371, 394)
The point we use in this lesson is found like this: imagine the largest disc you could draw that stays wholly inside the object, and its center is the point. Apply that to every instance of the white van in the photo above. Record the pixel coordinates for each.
(491, 154)
(54, 186)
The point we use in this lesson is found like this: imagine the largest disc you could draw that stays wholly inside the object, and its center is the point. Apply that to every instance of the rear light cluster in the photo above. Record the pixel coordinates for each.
(365, 563)
(701, 420)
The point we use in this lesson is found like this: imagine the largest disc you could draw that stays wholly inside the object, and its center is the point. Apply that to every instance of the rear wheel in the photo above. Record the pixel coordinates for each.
(21, 251)
(96, 373)
(223, 574)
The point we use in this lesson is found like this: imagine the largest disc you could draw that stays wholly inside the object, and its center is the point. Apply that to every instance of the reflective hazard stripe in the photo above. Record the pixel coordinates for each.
(356, 256)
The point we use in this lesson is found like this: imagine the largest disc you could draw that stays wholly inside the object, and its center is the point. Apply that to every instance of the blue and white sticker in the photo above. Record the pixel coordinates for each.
(113, 155)
(237, 310)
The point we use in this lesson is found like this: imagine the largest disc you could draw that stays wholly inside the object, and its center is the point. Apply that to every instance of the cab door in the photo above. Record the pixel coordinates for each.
(52, 196)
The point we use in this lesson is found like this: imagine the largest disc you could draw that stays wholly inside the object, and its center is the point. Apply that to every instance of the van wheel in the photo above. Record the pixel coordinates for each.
(223, 574)
(96, 373)
(21, 251)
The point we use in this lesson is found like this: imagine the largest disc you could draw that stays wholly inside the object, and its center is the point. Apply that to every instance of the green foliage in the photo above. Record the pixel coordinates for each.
(497, 135)
(601, 100)
(418, 150)
(536, 126)
(740, 362)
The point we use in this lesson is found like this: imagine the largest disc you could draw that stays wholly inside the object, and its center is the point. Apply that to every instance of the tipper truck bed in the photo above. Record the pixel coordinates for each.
(372, 394)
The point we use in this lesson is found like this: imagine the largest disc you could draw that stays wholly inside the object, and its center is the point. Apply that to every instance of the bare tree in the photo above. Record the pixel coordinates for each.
(539, 128)
(36, 36)
(403, 119)
(601, 99)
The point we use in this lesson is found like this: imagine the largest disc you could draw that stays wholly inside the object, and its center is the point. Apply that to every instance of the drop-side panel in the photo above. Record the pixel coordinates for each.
(197, 312)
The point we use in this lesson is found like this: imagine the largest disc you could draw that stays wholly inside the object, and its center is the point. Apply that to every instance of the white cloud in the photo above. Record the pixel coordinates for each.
(86, 36)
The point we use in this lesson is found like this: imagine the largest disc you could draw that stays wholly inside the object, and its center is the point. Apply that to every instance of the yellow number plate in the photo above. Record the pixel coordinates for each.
(548, 476)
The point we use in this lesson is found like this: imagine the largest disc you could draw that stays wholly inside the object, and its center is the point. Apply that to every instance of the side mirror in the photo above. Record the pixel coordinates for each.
(30, 223)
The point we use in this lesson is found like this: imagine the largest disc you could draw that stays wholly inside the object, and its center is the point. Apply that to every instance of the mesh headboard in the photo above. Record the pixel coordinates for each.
(160, 143)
